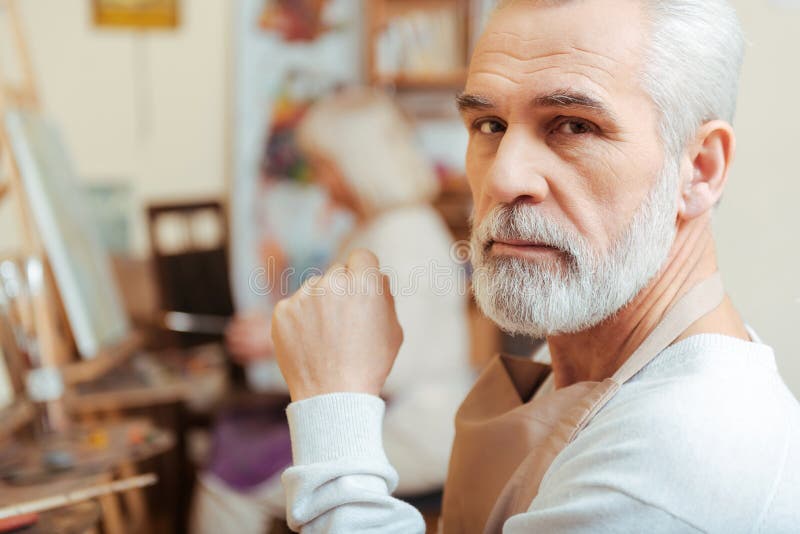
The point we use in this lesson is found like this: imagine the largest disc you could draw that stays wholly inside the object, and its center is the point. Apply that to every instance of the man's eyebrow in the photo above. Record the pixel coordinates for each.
(466, 102)
(562, 98)
(573, 99)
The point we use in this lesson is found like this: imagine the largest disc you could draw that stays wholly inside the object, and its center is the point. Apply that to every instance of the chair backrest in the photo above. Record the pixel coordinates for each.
(189, 244)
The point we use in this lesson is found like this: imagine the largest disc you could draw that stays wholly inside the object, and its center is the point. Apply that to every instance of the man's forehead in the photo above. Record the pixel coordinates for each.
(601, 34)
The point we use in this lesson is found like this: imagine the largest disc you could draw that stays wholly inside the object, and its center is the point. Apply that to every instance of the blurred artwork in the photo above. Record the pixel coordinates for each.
(295, 20)
(299, 228)
(297, 92)
(282, 158)
(136, 13)
(278, 218)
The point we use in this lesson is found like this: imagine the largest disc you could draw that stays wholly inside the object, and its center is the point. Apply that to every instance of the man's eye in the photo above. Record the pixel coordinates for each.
(490, 127)
(574, 127)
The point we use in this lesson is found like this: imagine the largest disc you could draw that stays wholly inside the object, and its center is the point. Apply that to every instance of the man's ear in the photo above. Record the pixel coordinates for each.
(711, 154)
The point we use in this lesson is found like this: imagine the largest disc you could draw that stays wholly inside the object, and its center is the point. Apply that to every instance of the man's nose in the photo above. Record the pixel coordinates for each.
(516, 173)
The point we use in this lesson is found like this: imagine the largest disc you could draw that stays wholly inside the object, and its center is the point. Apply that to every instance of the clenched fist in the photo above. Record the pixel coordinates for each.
(339, 332)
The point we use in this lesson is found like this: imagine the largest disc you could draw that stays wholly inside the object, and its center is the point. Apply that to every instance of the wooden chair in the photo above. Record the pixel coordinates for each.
(189, 247)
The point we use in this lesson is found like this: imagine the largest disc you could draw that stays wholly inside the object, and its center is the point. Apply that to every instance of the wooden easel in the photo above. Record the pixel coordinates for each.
(11, 191)
(55, 341)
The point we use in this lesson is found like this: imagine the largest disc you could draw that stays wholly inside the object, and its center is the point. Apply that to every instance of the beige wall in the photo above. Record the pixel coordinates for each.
(177, 148)
(144, 108)
(758, 224)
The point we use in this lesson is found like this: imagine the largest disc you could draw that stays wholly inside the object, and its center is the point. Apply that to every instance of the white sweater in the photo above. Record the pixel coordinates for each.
(432, 373)
(704, 439)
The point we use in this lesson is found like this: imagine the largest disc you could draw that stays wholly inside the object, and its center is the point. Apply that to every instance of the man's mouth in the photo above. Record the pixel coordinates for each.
(520, 248)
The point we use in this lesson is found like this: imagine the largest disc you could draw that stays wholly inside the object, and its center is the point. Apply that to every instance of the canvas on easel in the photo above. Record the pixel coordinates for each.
(82, 270)
(22, 93)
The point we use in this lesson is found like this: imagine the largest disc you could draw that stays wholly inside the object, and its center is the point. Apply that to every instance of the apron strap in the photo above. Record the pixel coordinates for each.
(698, 302)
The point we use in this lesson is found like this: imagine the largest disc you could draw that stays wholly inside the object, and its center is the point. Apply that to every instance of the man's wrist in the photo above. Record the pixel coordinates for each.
(334, 426)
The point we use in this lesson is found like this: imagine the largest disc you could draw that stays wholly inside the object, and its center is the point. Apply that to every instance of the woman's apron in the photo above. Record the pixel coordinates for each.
(506, 438)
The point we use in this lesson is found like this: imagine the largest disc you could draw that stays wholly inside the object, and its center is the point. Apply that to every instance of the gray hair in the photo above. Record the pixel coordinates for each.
(692, 64)
(363, 132)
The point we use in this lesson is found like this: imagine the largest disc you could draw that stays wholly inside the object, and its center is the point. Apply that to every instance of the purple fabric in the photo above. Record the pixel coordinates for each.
(249, 447)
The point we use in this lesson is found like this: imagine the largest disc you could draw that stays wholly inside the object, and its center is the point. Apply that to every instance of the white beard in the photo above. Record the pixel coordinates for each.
(583, 287)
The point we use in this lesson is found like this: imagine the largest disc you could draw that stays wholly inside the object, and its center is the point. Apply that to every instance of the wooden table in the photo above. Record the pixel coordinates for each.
(80, 518)
(131, 387)
(104, 455)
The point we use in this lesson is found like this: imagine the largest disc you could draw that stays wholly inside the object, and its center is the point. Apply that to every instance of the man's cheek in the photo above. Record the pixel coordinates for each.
(477, 180)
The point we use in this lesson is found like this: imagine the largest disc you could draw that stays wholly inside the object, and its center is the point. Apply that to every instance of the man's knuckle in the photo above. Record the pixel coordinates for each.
(279, 311)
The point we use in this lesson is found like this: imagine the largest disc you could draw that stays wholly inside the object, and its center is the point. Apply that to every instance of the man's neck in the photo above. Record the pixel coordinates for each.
(596, 353)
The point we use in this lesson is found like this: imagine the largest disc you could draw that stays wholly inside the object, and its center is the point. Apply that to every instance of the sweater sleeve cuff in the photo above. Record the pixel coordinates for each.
(335, 426)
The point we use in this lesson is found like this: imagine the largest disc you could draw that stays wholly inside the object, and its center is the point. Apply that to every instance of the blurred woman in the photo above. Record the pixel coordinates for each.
(362, 151)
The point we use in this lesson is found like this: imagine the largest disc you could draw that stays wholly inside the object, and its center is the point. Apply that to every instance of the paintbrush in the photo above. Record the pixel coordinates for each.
(18, 311)
(9, 346)
(195, 323)
(45, 382)
(42, 326)
(25, 291)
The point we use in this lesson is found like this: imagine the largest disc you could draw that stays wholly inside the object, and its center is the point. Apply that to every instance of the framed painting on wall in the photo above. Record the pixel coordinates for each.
(295, 20)
(136, 13)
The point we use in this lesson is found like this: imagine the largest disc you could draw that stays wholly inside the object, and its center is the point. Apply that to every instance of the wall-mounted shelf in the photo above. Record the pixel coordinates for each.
(417, 44)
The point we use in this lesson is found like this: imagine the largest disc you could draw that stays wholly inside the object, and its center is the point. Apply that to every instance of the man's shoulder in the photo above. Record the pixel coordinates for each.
(708, 400)
(713, 425)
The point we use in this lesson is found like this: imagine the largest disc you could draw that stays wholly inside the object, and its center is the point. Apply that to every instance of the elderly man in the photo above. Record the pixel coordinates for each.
(600, 142)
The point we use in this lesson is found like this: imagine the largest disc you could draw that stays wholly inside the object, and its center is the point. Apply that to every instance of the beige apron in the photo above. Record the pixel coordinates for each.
(506, 438)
